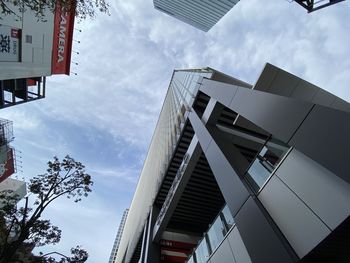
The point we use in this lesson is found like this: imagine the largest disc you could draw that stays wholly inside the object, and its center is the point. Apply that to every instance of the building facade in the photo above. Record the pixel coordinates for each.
(7, 152)
(30, 50)
(116, 243)
(200, 14)
(243, 173)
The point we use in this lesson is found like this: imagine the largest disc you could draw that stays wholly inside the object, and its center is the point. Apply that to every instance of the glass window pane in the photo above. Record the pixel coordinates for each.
(228, 217)
(191, 260)
(216, 233)
(274, 152)
(266, 161)
(202, 252)
(258, 173)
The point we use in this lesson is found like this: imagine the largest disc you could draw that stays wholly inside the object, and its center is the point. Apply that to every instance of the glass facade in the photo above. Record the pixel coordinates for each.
(266, 161)
(214, 236)
(202, 252)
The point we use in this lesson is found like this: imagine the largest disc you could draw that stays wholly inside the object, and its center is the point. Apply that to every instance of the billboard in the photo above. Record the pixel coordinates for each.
(62, 41)
(10, 38)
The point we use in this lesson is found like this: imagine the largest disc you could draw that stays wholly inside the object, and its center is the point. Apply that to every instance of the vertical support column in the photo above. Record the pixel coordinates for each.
(2, 95)
(143, 247)
(260, 236)
(152, 249)
(231, 186)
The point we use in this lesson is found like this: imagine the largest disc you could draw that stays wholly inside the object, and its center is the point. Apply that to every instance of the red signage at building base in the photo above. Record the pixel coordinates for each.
(62, 41)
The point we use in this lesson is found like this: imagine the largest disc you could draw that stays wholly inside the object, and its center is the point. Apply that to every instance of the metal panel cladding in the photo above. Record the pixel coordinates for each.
(202, 14)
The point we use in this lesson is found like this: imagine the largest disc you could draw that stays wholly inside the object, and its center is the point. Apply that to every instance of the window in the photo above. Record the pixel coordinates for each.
(29, 39)
(266, 161)
(212, 239)
(10, 44)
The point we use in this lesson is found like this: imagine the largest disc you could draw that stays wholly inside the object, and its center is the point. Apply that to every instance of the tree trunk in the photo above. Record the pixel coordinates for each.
(10, 250)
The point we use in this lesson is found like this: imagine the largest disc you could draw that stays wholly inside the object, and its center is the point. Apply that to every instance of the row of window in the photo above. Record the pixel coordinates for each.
(211, 240)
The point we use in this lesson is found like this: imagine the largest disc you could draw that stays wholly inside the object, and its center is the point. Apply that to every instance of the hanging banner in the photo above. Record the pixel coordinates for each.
(9, 44)
(62, 41)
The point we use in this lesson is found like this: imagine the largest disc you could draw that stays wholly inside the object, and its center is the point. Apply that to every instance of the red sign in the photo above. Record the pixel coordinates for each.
(31, 82)
(62, 41)
(8, 168)
(175, 251)
(15, 33)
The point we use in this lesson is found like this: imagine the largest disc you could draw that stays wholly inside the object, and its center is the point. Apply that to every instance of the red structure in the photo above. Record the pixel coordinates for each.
(175, 251)
(7, 160)
(62, 40)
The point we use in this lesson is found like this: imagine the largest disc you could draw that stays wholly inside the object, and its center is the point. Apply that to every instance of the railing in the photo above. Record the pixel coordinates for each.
(311, 6)
(173, 187)
(169, 156)
(17, 91)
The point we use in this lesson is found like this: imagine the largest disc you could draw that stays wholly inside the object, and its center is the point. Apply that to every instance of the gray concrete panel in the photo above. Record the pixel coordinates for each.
(223, 92)
(304, 91)
(284, 84)
(326, 194)
(237, 246)
(232, 188)
(266, 77)
(202, 134)
(340, 104)
(232, 154)
(260, 239)
(152, 254)
(302, 228)
(221, 77)
(212, 112)
(223, 254)
(324, 137)
(278, 115)
(324, 98)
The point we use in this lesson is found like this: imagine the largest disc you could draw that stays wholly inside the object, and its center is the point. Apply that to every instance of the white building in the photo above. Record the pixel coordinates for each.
(30, 50)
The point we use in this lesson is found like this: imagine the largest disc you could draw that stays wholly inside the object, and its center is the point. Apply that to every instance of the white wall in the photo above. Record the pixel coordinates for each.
(36, 56)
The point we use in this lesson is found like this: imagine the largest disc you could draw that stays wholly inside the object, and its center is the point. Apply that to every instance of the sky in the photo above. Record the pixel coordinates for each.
(105, 116)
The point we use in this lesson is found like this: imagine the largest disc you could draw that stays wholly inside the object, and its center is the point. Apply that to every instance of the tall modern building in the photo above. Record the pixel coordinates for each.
(243, 173)
(114, 252)
(204, 14)
(198, 13)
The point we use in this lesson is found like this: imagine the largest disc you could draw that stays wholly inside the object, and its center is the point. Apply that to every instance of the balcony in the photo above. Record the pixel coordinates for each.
(17, 91)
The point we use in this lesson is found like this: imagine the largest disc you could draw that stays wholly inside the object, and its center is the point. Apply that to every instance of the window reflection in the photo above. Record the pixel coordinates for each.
(265, 162)
(216, 233)
(202, 252)
(228, 217)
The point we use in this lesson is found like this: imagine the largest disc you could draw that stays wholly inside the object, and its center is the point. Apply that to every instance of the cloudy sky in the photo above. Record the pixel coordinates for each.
(105, 116)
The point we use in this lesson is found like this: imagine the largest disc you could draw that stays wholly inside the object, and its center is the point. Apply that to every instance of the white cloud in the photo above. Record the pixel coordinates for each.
(125, 64)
